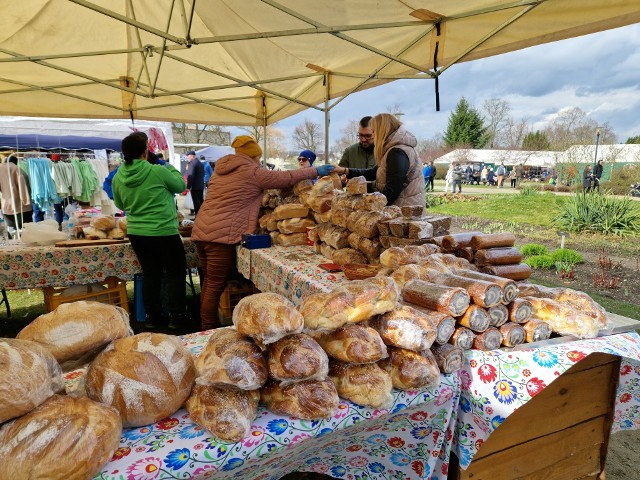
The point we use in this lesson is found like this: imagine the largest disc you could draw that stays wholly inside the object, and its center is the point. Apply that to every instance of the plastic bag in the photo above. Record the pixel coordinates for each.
(188, 201)
(42, 233)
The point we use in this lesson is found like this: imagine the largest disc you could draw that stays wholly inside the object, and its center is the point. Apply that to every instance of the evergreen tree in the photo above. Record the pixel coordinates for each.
(536, 141)
(634, 140)
(465, 127)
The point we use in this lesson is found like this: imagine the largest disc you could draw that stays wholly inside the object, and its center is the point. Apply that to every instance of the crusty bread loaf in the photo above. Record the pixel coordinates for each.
(289, 240)
(405, 327)
(297, 357)
(146, 377)
(91, 233)
(334, 236)
(230, 358)
(396, 256)
(302, 186)
(364, 223)
(77, 331)
(357, 186)
(365, 384)
(116, 234)
(350, 303)
(412, 212)
(411, 370)
(122, 224)
(354, 343)
(266, 317)
(322, 217)
(344, 256)
(30, 375)
(68, 438)
(290, 210)
(564, 319)
(224, 411)
(340, 217)
(103, 222)
(323, 186)
(295, 225)
(307, 400)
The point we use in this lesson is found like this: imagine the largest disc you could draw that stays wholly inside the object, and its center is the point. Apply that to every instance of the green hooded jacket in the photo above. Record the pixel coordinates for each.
(145, 192)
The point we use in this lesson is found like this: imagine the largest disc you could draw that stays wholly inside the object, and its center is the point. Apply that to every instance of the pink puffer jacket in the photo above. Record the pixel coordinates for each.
(234, 196)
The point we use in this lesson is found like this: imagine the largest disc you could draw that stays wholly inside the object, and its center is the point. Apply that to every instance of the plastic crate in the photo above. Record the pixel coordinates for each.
(115, 293)
(236, 290)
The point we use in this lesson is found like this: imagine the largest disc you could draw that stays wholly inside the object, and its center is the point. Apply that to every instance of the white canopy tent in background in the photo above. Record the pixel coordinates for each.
(254, 62)
(214, 152)
(509, 157)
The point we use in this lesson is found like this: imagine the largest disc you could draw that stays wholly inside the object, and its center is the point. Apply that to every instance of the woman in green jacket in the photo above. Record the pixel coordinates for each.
(145, 192)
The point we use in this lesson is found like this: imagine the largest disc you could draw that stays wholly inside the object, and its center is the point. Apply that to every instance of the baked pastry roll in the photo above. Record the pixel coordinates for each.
(405, 327)
(475, 318)
(354, 343)
(520, 310)
(462, 337)
(492, 240)
(450, 358)
(509, 287)
(453, 301)
(512, 334)
(536, 330)
(411, 370)
(297, 357)
(366, 384)
(307, 400)
(490, 339)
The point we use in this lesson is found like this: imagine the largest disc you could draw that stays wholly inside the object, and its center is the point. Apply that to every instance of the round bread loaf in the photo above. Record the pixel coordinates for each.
(266, 317)
(366, 384)
(122, 224)
(307, 400)
(103, 222)
(353, 343)
(64, 438)
(411, 370)
(230, 358)
(224, 411)
(146, 377)
(30, 375)
(297, 357)
(75, 332)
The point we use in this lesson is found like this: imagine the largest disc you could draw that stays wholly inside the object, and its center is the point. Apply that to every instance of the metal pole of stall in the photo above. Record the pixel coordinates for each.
(326, 117)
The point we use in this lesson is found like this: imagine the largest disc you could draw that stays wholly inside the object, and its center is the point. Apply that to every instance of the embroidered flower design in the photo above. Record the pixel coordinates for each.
(535, 386)
(487, 373)
(144, 469)
(505, 391)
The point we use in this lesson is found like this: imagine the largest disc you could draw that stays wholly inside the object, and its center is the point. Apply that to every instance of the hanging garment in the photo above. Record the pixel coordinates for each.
(14, 188)
(88, 179)
(101, 168)
(66, 179)
(43, 190)
(157, 140)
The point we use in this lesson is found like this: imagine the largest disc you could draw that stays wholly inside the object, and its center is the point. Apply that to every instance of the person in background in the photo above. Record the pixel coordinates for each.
(519, 173)
(398, 170)
(513, 176)
(432, 175)
(231, 210)
(145, 192)
(195, 180)
(360, 155)
(483, 174)
(468, 173)
(208, 172)
(491, 177)
(16, 194)
(500, 172)
(306, 159)
(587, 179)
(448, 180)
(107, 185)
(597, 175)
(458, 174)
(426, 173)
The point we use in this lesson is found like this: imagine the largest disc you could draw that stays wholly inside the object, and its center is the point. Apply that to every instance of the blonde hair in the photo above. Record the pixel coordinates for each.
(383, 125)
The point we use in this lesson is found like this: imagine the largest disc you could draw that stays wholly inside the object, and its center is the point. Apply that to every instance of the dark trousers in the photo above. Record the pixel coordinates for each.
(158, 256)
(430, 184)
(13, 220)
(198, 198)
(459, 183)
(513, 182)
(218, 264)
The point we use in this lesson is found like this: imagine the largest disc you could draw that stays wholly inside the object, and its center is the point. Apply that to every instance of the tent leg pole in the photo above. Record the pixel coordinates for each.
(264, 132)
(326, 117)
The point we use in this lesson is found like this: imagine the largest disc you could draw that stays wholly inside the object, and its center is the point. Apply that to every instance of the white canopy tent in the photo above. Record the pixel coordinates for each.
(214, 152)
(509, 157)
(254, 62)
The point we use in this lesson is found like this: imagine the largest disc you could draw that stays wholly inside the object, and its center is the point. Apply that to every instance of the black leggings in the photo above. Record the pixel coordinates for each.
(158, 255)
(513, 182)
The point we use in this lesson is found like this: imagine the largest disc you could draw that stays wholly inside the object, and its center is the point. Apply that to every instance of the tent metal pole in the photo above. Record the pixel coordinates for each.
(264, 125)
(143, 54)
(327, 94)
(164, 44)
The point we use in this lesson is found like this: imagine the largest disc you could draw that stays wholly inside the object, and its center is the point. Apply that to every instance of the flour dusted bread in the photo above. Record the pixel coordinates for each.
(366, 384)
(307, 400)
(65, 438)
(297, 357)
(357, 186)
(351, 303)
(354, 343)
(75, 332)
(230, 358)
(290, 210)
(30, 375)
(146, 377)
(411, 370)
(266, 317)
(224, 411)
(103, 222)
(405, 327)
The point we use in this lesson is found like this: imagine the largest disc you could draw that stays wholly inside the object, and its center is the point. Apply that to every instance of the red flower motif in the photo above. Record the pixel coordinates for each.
(575, 356)
(418, 416)
(436, 435)
(418, 467)
(121, 453)
(445, 469)
(625, 397)
(535, 386)
(167, 423)
(473, 363)
(353, 448)
(626, 370)
(479, 443)
(395, 442)
(54, 272)
(526, 372)
(487, 373)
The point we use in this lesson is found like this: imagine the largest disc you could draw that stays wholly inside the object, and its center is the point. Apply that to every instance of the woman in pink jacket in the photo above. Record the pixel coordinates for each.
(231, 209)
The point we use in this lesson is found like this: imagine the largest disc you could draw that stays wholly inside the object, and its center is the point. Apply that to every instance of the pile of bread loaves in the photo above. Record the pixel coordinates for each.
(104, 226)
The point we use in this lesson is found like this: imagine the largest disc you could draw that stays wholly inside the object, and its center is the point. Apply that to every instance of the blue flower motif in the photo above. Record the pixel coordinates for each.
(271, 446)
(376, 467)
(232, 464)
(313, 460)
(221, 450)
(377, 439)
(505, 391)
(177, 458)
(421, 432)
(298, 293)
(338, 471)
(191, 431)
(465, 456)
(626, 424)
(497, 421)
(333, 449)
(323, 432)
(400, 459)
(545, 359)
(278, 426)
(136, 433)
(465, 405)
(398, 407)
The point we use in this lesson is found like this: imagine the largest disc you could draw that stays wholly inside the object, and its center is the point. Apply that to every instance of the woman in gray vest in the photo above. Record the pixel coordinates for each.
(398, 170)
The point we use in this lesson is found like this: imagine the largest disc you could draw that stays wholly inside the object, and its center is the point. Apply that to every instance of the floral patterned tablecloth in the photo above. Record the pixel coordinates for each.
(410, 440)
(495, 384)
(49, 266)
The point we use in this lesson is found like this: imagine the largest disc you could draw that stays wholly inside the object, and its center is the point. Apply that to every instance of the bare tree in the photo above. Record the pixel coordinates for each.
(276, 142)
(308, 135)
(255, 132)
(514, 132)
(349, 137)
(572, 127)
(199, 133)
(496, 118)
(395, 110)
(431, 149)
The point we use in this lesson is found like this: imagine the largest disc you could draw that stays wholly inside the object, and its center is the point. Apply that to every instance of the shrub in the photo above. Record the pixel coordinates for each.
(530, 249)
(566, 256)
(528, 190)
(563, 188)
(621, 179)
(590, 212)
(540, 261)
(434, 200)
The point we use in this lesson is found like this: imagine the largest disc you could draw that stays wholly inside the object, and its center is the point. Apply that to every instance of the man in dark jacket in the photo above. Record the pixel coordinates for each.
(432, 175)
(597, 175)
(195, 180)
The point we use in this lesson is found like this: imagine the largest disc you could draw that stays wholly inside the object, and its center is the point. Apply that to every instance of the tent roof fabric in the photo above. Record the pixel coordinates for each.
(66, 142)
(254, 62)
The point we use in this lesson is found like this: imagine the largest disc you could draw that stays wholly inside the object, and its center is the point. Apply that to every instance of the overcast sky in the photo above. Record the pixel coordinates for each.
(599, 73)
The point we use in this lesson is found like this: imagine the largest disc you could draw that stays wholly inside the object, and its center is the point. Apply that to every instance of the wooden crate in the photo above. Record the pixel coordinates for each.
(115, 293)
(236, 290)
(561, 434)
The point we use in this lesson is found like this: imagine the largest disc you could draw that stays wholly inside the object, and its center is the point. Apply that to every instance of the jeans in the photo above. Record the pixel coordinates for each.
(459, 183)
(218, 263)
(158, 256)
